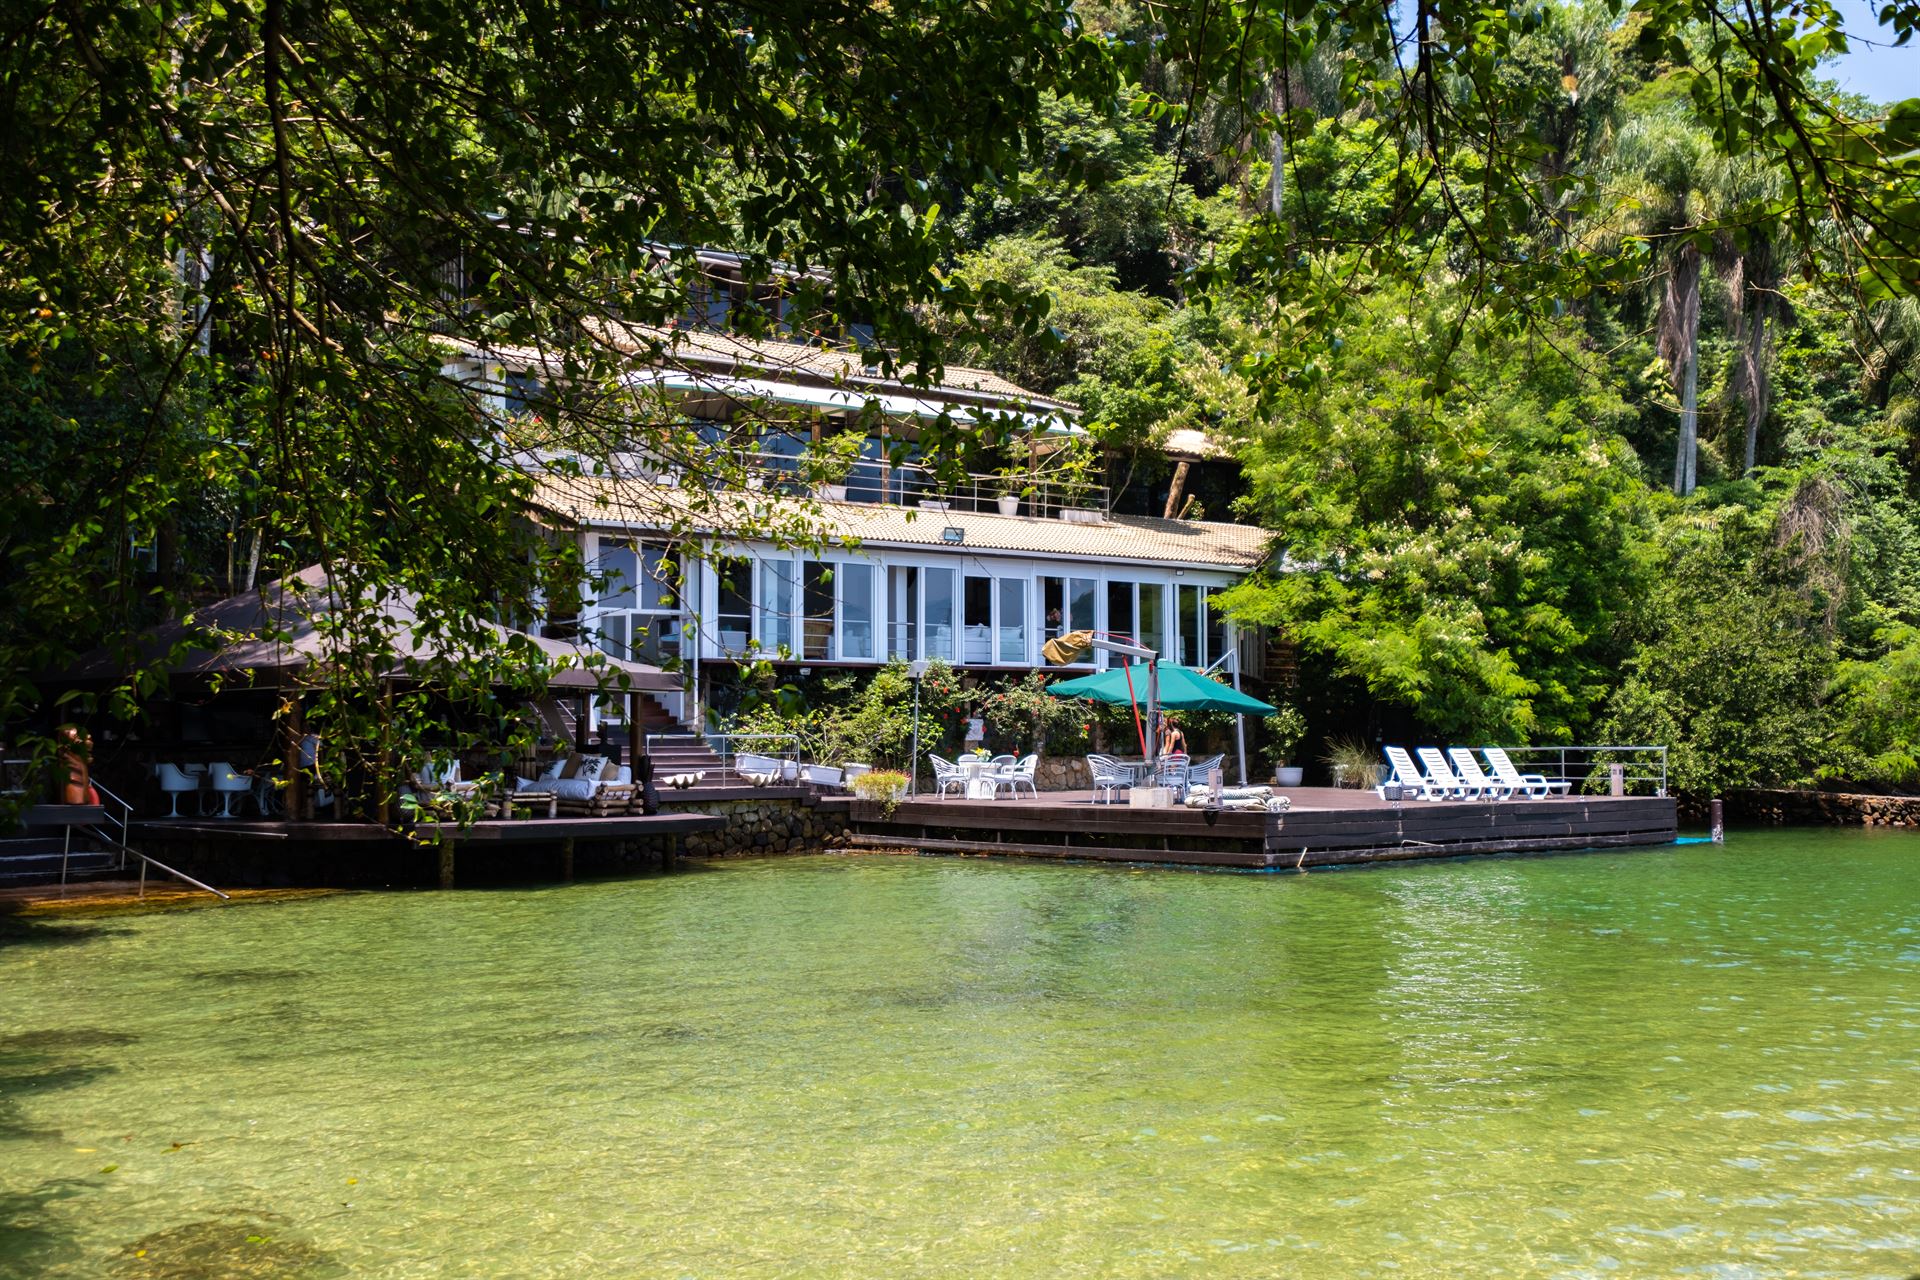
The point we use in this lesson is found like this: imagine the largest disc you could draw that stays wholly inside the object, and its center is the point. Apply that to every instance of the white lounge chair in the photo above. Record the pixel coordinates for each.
(1532, 784)
(1016, 775)
(1470, 773)
(1110, 777)
(1408, 775)
(1440, 775)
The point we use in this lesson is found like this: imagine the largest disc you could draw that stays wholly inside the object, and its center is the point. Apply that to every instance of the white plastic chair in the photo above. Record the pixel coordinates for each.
(946, 774)
(1015, 775)
(227, 782)
(1470, 772)
(1172, 771)
(176, 782)
(1110, 777)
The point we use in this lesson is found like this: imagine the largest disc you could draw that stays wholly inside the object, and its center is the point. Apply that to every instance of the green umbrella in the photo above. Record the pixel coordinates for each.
(1181, 689)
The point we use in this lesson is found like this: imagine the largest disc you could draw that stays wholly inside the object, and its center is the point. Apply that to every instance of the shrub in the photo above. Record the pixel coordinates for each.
(1354, 763)
(883, 786)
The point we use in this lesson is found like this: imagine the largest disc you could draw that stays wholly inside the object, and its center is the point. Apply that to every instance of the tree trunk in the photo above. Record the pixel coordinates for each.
(1176, 488)
(1679, 343)
(1690, 410)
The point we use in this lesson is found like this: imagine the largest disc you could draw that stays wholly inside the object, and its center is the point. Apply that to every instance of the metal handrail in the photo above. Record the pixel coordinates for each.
(907, 483)
(722, 744)
(1578, 765)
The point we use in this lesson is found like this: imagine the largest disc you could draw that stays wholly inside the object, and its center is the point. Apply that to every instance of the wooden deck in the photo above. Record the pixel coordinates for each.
(1324, 827)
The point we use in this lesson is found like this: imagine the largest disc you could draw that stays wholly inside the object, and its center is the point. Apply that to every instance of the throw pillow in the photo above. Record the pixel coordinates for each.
(553, 770)
(590, 767)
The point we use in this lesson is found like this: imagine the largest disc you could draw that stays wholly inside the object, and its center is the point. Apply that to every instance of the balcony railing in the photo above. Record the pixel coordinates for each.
(894, 484)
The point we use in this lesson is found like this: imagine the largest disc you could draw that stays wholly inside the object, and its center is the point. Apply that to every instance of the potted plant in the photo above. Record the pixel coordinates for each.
(1010, 485)
(1286, 728)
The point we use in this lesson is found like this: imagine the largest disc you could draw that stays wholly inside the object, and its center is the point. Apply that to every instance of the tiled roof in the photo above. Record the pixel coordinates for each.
(832, 364)
(730, 353)
(636, 504)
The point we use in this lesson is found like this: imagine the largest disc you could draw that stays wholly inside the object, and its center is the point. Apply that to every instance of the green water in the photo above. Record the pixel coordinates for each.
(1681, 1062)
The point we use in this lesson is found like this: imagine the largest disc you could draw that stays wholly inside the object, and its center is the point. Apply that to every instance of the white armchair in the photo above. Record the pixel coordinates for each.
(228, 782)
(946, 774)
(176, 782)
(1018, 774)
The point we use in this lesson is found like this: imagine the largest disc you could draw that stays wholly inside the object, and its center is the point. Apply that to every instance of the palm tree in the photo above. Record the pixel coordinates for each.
(1663, 173)
(1751, 254)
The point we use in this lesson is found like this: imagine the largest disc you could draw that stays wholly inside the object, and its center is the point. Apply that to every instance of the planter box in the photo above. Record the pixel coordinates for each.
(830, 492)
(929, 504)
(1150, 798)
(1081, 515)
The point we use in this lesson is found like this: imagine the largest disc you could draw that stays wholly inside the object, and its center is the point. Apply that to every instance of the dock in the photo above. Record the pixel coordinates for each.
(1323, 827)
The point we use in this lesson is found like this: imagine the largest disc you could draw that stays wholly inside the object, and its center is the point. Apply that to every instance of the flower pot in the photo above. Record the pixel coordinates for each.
(1009, 504)
(1288, 775)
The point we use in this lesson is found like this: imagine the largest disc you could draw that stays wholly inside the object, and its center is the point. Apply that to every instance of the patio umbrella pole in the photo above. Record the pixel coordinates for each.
(1239, 721)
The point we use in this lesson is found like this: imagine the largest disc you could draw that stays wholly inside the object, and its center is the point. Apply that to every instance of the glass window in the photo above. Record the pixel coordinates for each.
(1216, 628)
(619, 568)
(776, 605)
(1191, 654)
(659, 578)
(522, 393)
(856, 610)
(733, 575)
(1119, 617)
(903, 629)
(976, 630)
(816, 601)
(939, 606)
(1053, 608)
(1153, 617)
(708, 302)
(1013, 621)
(1081, 595)
(864, 479)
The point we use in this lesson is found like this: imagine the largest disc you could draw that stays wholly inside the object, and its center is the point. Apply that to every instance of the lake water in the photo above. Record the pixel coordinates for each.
(1686, 1062)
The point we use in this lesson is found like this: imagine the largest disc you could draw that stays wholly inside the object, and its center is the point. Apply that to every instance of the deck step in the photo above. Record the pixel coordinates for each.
(43, 867)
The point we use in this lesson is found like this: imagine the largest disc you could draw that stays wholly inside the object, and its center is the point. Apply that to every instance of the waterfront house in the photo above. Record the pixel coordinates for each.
(827, 538)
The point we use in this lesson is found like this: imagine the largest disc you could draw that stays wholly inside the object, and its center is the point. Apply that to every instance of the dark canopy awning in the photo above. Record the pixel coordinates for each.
(269, 636)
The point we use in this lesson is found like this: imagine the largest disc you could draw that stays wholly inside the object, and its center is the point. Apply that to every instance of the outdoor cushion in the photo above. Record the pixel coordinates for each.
(571, 788)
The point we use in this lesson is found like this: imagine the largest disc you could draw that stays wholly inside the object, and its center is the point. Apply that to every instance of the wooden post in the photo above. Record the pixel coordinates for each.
(446, 861)
(1716, 821)
(580, 723)
(298, 794)
(636, 739)
(383, 765)
(566, 858)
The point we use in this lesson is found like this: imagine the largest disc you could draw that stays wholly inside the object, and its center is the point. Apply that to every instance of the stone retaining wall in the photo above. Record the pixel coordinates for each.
(1823, 808)
(763, 826)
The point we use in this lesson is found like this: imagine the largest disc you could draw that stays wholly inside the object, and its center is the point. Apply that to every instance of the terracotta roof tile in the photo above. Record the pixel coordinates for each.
(640, 504)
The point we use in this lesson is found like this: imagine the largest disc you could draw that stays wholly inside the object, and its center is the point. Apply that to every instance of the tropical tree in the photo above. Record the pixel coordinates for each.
(1664, 166)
